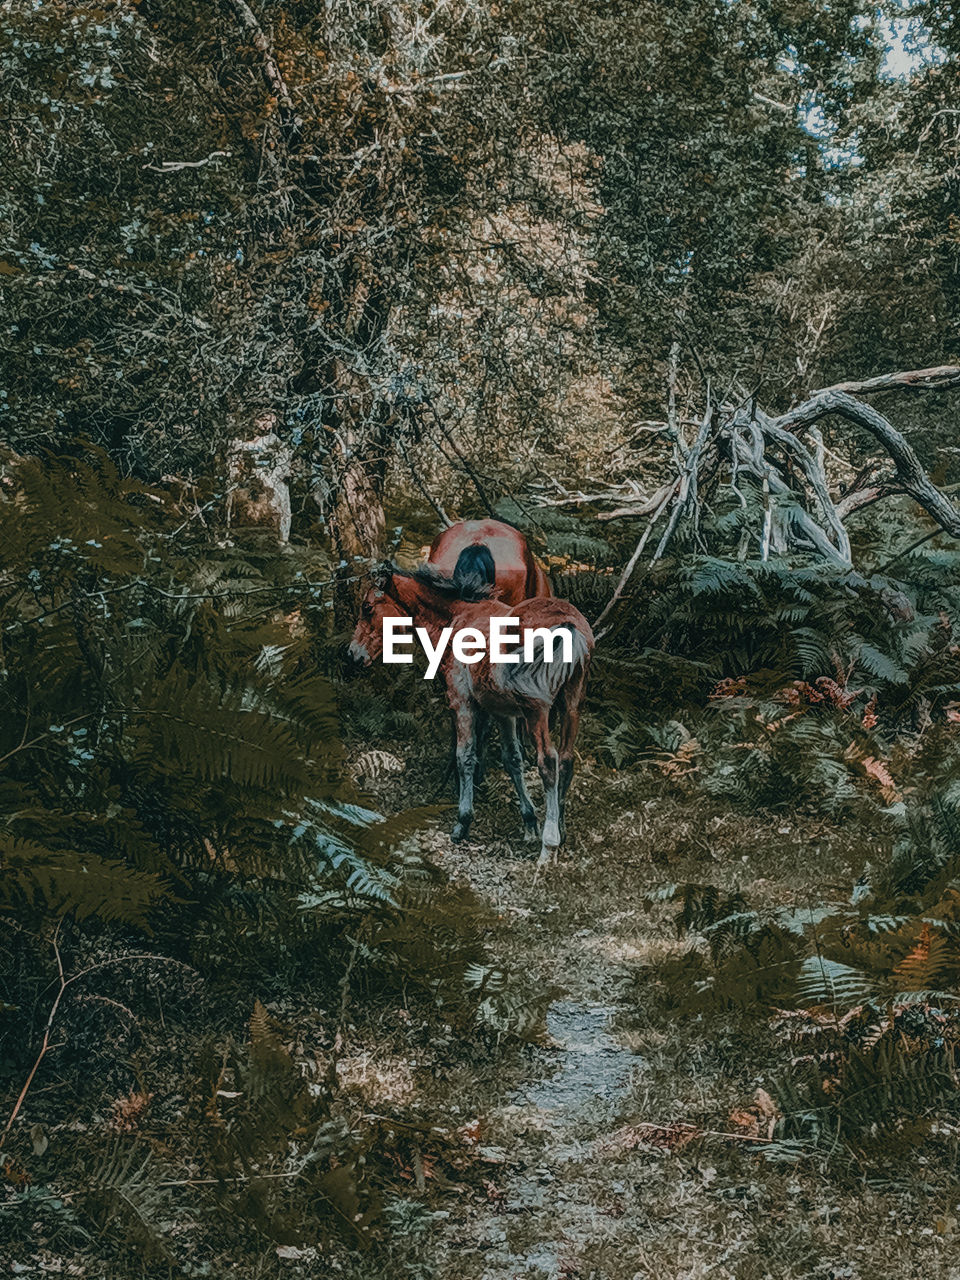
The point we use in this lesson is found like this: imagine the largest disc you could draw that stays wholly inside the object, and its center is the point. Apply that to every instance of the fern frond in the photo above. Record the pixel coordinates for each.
(823, 981)
(67, 882)
(925, 962)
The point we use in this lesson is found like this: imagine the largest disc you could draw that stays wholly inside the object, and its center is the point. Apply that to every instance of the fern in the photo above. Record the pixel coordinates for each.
(36, 881)
(823, 981)
(880, 665)
(123, 1189)
(866, 996)
(173, 763)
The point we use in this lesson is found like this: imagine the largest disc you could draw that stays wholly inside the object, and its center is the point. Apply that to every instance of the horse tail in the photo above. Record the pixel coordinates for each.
(543, 678)
(474, 571)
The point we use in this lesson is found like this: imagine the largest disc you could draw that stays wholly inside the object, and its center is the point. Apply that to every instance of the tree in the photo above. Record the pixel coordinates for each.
(403, 234)
(220, 215)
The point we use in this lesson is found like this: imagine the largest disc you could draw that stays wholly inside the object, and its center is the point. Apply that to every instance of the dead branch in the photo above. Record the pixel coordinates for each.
(683, 492)
(910, 475)
(795, 505)
(864, 496)
(781, 519)
(812, 468)
(632, 562)
(174, 166)
(643, 507)
(63, 982)
(686, 501)
(940, 378)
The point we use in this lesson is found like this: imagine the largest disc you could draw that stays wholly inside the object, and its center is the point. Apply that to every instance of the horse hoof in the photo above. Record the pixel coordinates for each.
(459, 832)
(531, 834)
(548, 857)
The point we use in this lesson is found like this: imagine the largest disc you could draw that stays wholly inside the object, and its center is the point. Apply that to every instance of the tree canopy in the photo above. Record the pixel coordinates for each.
(397, 232)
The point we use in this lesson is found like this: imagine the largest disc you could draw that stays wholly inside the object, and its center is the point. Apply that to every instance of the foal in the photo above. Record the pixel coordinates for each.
(509, 692)
(470, 554)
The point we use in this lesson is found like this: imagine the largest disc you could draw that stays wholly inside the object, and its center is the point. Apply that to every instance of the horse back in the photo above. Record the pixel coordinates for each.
(551, 612)
(517, 574)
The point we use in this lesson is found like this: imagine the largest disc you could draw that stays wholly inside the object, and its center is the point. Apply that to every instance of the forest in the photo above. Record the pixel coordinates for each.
(669, 291)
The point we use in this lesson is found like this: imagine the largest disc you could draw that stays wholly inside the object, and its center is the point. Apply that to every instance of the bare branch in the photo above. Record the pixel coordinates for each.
(940, 378)
(813, 471)
(632, 562)
(857, 499)
(772, 102)
(910, 475)
(643, 507)
(268, 62)
(686, 499)
(174, 166)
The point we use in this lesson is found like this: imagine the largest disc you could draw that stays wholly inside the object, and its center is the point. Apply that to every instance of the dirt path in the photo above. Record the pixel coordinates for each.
(576, 1188)
(551, 1199)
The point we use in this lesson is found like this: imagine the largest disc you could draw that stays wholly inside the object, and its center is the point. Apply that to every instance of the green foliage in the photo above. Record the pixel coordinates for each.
(218, 246)
(179, 828)
(557, 535)
(165, 738)
(279, 1160)
(39, 881)
(863, 999)
(784, 684)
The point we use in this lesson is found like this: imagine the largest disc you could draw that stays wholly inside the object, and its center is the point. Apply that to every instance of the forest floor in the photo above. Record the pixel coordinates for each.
(610, 1148)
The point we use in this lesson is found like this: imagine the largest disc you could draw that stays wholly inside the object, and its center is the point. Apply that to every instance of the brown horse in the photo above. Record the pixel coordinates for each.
(474, 552)
(525, 690)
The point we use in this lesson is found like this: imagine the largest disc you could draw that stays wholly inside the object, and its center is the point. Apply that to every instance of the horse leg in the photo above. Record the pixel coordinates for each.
(512, 757)
(483, 738)
(569, 725)
(450, 768)
(466, 767)
(547, 763)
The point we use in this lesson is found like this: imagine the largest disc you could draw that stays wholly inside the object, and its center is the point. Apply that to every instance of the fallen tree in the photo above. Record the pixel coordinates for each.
(791, 489)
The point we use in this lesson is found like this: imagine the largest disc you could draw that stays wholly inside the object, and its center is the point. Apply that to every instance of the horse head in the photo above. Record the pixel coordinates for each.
(380, 602)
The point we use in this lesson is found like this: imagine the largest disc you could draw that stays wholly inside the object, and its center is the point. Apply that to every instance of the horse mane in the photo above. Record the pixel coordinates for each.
(473, 578)
(469, 587)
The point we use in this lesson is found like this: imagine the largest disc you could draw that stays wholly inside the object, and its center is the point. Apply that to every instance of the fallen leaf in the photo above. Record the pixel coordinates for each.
(660, 1137)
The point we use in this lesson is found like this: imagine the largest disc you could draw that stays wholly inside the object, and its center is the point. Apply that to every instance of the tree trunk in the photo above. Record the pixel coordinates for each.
(357, 521)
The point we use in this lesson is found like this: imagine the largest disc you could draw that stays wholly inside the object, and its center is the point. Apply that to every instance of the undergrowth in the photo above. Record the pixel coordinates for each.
(860, 998)
(182, 843)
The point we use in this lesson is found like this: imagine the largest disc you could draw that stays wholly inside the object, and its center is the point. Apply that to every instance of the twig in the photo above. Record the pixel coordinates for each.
(442, 427)
(672, 397)
(45, 1043)
(271, 70)
(632, 562)
(174, 166)
(415, 476)
(65, 982)
(25, 746)
(927, 537)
